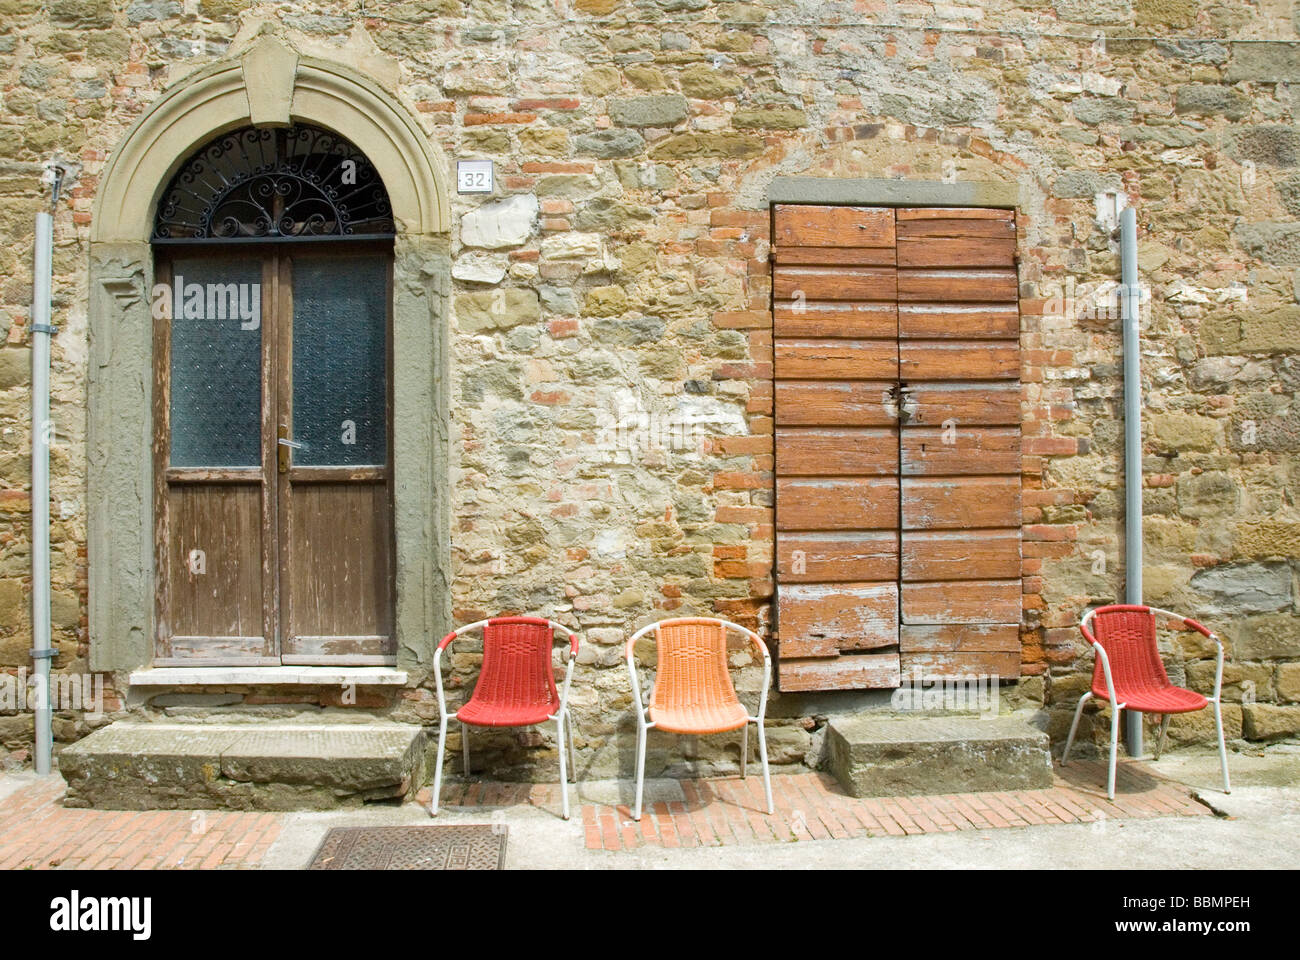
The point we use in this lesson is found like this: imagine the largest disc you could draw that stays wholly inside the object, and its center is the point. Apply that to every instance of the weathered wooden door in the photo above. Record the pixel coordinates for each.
(273, 502)
(897, 403)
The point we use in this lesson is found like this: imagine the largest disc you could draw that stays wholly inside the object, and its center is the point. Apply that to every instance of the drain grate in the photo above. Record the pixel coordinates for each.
(436, 847)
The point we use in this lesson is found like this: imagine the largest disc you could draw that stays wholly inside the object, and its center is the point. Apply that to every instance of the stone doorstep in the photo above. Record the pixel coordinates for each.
(130, 765)
(915, 756)
(266, 676)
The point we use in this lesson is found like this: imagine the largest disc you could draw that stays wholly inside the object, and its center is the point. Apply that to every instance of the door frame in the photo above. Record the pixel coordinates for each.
(338, 96)
(276, 358)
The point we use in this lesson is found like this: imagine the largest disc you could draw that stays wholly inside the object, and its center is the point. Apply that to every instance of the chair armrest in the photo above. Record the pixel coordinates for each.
(446, 640)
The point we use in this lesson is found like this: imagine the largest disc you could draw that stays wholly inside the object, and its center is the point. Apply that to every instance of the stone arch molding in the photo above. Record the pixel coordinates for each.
(271, 84)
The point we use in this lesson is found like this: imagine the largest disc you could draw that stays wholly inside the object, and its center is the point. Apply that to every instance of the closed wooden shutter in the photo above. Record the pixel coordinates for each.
(835, 340)
(959, 355)
(898, 531)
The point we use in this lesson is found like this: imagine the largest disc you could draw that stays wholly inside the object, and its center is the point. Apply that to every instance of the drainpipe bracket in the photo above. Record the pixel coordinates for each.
(49, 654)
(49, 328)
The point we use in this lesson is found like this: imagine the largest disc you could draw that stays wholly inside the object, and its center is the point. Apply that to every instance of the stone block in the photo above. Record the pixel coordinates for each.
(263, 766)
(659, 110)
(1245, 587)
(1270, 637)
(924, 755)
(1267, 721)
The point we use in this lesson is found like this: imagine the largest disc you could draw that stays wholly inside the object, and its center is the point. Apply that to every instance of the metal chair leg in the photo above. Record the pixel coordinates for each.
(1223, 747)
(1114, 749)
(464, 746)
(573, 763)
(767, 777)
(744, 751)
(1160, 741)
(564, 773)
(437, 767)
(1069, 742)
(640, 768)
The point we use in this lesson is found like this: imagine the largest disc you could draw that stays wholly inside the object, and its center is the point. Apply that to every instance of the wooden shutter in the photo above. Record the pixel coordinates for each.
(835, 330)
(959, 355)
(897, 537)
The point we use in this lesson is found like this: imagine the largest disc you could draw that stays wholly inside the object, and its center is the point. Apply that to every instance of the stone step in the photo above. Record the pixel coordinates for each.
(908, 756)
(239, 766)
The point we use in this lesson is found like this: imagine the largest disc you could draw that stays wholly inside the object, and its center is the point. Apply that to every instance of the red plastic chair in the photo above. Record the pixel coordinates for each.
(1129, 674)
(515, 688)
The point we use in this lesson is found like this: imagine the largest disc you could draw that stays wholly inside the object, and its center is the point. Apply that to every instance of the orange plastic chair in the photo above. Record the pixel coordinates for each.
(692, 691)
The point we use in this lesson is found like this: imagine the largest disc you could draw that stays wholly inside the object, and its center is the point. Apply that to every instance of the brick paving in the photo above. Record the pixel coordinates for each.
(726, 811)
(38, 832)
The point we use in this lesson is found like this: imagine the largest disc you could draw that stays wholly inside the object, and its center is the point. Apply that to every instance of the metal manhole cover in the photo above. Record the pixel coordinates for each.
(436, 847)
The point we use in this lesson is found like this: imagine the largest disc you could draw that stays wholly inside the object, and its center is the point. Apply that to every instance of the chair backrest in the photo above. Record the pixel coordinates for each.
(1127, 633)
(517, 662)
(692, 667)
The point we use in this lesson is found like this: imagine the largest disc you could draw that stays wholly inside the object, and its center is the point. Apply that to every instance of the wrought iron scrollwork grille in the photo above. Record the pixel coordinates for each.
(269, 184)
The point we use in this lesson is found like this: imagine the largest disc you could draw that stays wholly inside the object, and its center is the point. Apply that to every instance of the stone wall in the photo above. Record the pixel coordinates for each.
(611, 340)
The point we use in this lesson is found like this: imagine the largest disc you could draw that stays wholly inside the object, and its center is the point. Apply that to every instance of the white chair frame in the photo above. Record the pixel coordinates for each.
(1116, 707)
(644, 723)
(560, 716)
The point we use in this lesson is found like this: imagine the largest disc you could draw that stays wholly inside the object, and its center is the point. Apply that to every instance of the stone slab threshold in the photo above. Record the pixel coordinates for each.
(270, 766)
(267, 676)
(918, 755)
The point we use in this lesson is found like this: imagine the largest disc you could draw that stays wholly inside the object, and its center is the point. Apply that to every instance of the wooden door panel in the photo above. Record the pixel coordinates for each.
(849, 671)
(214, 571)
(969, 285)
(820, 620)
(833, 283)
(944, 360)
(972, 601)
(966, 405)
(955, 227)
(961, 650)
(857, 403)
(925, 214)
(817, 451)
(829, 557)
(1003, 664)
(800, 225)
(938, 321)
(339, 571)
(934, 451)
(959, 251)
(336, 575)
(860, 321)
(841, 503)
(835, 359)
(955, 503)
(834, 256)
(960, 555)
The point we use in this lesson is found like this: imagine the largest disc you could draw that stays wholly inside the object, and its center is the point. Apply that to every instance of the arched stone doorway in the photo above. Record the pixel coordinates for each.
(270, 88)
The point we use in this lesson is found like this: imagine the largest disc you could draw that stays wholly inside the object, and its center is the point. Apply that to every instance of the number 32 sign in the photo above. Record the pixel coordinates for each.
(473, 176)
